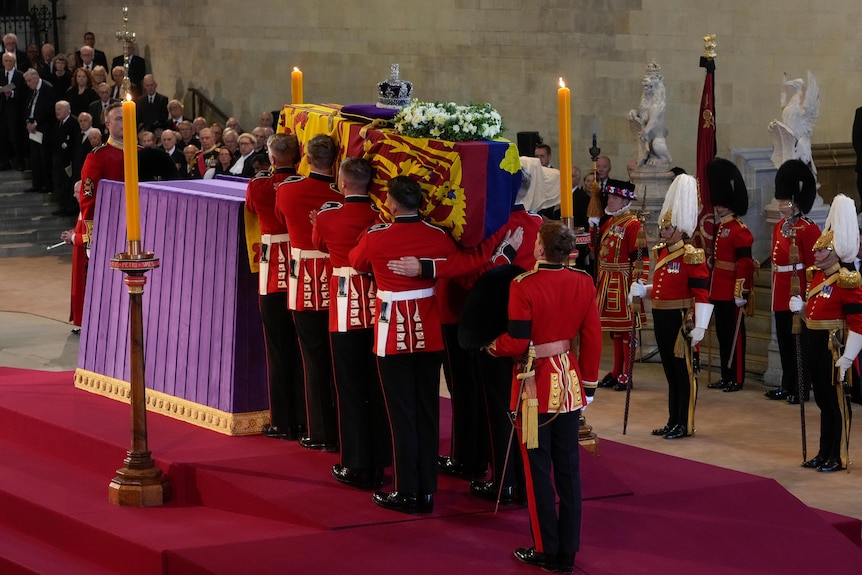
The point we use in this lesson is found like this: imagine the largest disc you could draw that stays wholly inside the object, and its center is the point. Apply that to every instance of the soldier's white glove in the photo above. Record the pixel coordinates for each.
(740, 301)
(796, 304)
(851, 351)
(638, 289)
(594, 221)
(702, 313)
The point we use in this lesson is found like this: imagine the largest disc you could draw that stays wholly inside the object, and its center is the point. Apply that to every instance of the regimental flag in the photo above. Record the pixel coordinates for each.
(705, 232)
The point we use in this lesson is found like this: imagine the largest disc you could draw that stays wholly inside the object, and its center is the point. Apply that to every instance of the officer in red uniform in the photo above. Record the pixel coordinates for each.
(308, 287)
(408, 342)
(365, 442)
(795, 190)
(833, 315)
(283, 361)
(733, 270)
(548, 308)
(106, 161)
(618, 233)
(680, 286)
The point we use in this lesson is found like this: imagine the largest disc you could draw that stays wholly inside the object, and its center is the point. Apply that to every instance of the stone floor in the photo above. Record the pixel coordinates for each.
(741, 431)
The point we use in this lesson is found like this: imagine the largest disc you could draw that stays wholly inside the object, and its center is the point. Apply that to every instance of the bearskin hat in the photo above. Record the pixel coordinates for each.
(794, 181)
(486, 309)
(726, 186)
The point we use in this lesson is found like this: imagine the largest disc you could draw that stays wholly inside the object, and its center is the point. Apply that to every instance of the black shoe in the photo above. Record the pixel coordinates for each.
(622, 382)
(409, 503)
(449, 466)
(815, 462)
(76, 331)
(532, 557)
(489, 490)
(677, 432)
(295, 431)
(308, 443)
(608, 381)
(720, 384)
(731, 387)
(274, 431)
(358, 478)
(832, 464)
(565, 562)
(779, 393)
(663, 431)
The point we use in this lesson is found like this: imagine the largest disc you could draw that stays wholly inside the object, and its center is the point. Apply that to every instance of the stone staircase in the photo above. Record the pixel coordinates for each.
(26, 224)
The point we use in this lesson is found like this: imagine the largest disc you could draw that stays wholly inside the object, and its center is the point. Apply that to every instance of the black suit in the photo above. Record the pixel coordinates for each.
(137, 68)
(64, 140)
(82, 148)
(152, 115)
(99, 59)
(22, 61)
(40, 109)
(13, 136)
(95, 110)
(179, 159)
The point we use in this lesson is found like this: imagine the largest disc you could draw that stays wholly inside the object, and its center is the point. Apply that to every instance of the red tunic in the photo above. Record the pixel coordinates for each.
(336, 231)
(297, 196)
(834, 294)
(105, 162)
(546, 305)
(617, 255)
(406, 305)
(680, 277)
(807, 233)
(733, 261)
(260, 200)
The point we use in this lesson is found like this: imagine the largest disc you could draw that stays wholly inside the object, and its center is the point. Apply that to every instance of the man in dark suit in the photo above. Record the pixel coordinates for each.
(152, 106)
(137, 65)
(169, 145)
(99, 58)
(10, 45)
(63, 142)
(13, 142)
(84, 145)
(40, 121)
(97, 108)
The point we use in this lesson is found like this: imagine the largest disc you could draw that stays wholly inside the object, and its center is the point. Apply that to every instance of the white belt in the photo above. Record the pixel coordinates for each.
(342, 294)
(265, 253)
(297, 255)
(788, 268)
(384, 303)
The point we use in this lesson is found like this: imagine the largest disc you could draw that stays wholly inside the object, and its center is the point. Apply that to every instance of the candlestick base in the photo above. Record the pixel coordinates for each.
(139, 483)
(587, 438)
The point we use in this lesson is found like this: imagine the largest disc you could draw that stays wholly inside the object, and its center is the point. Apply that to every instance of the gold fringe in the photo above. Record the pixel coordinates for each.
(680, 345)
(530, 421)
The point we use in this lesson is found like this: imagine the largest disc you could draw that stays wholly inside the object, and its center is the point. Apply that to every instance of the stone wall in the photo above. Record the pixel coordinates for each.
(507, 52)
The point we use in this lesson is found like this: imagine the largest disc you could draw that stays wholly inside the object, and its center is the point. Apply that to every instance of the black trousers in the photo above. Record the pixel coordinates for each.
(469, 444)
(283, 362)
(40, 164)
(787, 352)
(411, 389)
(362, 422)
(826, 395)
(558, 454)
(495, 374)
(63, 188)
(312, 330)
(725, 316)
(667, 323)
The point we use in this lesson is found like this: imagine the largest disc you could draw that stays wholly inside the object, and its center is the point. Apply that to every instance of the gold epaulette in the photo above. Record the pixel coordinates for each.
(656, 248)
(523, 275)
(693, 255)
(849, 279)
(809, 273)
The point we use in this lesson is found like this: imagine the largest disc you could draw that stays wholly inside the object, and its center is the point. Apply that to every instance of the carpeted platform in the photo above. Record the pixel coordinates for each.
(252, 504)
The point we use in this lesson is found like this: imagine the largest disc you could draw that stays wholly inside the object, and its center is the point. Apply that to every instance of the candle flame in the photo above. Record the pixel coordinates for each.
(562, 84)
(128, 96)
(295, 69)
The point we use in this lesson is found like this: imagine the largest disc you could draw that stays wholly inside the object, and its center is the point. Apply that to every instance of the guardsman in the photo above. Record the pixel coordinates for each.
(308, 294)
(408, 343)
(833, 315)
(618, 251)
(364, 430)
(792, 253)
(105, 162)
(679, 289)
(283, 361)
(548, 308)
(732, 284)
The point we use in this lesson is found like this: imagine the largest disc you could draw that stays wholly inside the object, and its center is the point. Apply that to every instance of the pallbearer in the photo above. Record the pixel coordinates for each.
(792, 253)
(833, 315)
(680, 302)
(732, 284)
(618, 251)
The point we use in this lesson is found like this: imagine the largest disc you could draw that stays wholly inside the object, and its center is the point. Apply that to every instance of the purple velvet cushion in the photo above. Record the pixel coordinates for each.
(366, 113)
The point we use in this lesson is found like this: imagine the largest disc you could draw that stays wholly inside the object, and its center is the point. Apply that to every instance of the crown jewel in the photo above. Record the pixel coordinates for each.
(394, 92)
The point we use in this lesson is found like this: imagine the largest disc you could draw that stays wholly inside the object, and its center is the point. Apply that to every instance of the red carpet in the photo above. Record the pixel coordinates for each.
(252, 504)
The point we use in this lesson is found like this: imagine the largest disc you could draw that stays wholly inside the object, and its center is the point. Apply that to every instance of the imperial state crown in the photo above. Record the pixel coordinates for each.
(394, 92)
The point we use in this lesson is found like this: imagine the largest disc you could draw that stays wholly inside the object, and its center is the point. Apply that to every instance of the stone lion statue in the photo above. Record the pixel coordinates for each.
(647, 122)
(800, 106)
